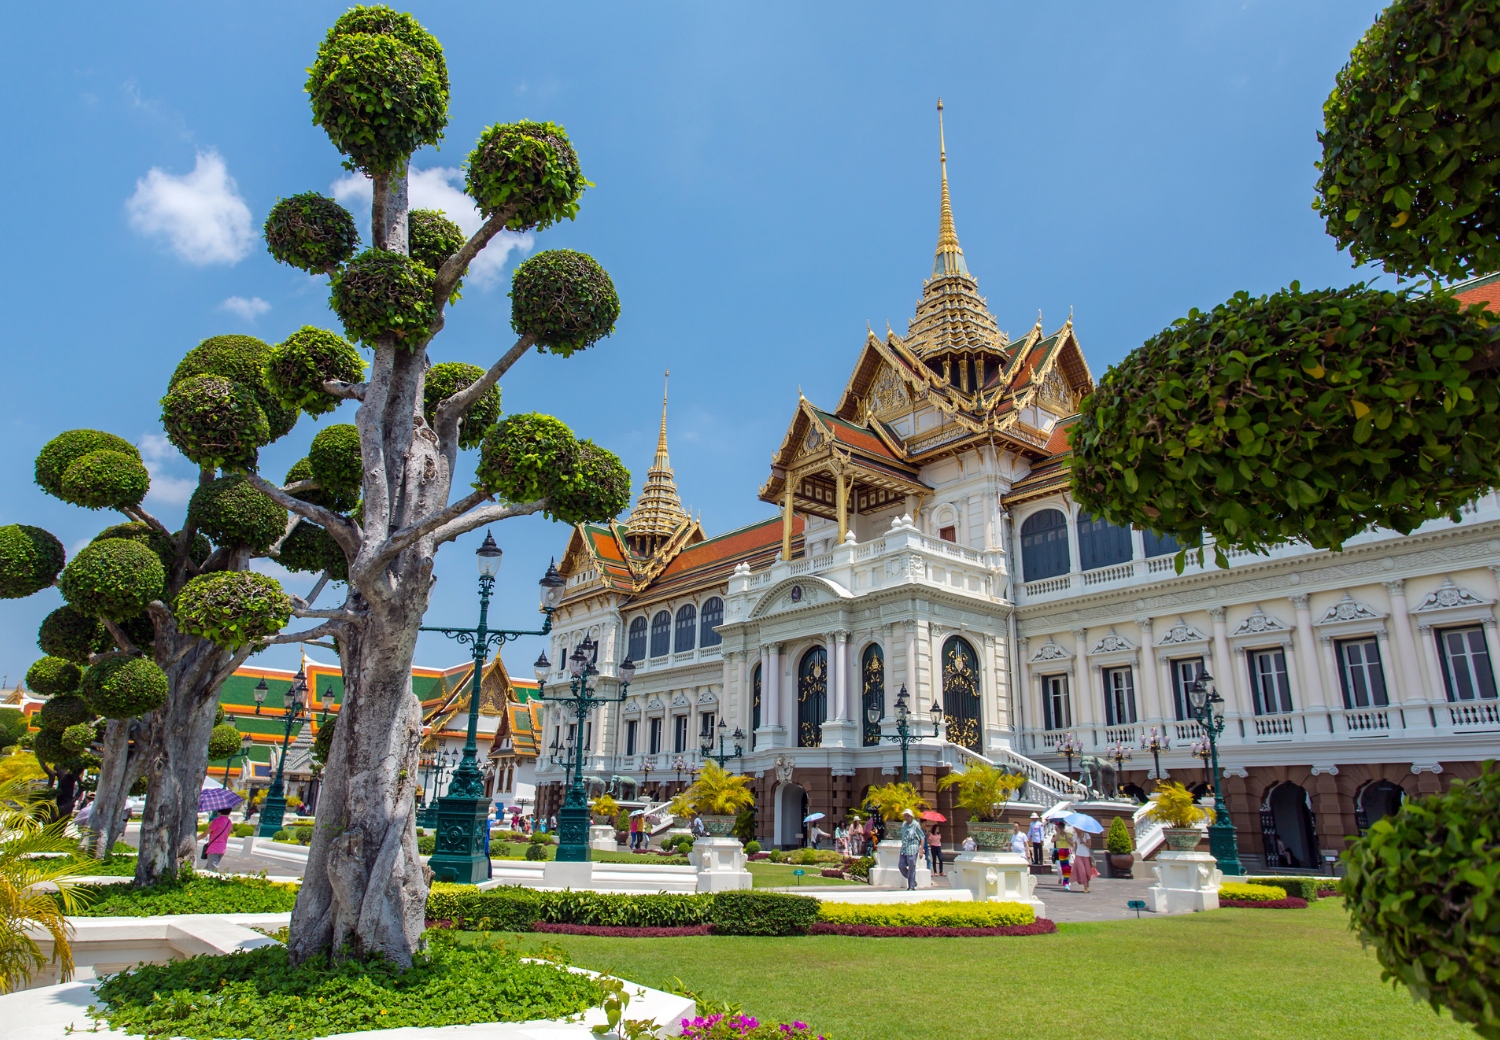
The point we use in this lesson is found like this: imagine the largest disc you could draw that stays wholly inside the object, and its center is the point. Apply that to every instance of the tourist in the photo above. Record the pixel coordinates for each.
(1036, 834)
(552, 823)
(634, 827)
(815, 835)
(1018, 842)
(81, 817)
(698, 827)
(911, 845)
(1061, 851)
(1083, 859)
(935, 851)
(969, 845)
(218, 839)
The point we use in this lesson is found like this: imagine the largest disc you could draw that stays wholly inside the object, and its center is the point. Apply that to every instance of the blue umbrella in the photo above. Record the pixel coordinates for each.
(1083, 822)
(213, 798)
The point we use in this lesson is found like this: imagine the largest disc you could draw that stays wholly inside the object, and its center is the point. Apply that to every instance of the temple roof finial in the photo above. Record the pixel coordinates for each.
(950, 257)
(658, 512)
(661, 441)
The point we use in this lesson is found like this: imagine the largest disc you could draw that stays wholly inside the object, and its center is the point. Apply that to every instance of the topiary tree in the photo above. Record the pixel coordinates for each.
(379, 89)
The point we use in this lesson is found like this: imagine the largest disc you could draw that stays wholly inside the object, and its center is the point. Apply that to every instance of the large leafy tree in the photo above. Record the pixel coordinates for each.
(155, 619)
(379, 89)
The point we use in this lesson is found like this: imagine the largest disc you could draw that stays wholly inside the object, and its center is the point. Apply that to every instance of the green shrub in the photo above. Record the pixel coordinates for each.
(242, 830)
(1251, 893)
(216, 422)
(30, 559)
(1117, 842)
(240, 359)
(335, 460)
(515, 909)
(302, 835)
(285, 834)
(312, 232)
(233, 512)
(763, 913)
(67, 448)
(564, 300)
(1300, 887)
(432, 238)
(115, 578)
(298, 366)
(540, 838)
(232, 608)
(1423, 888)
(197, 895)
(106, 480)
(72, 636)
(121, 687)
(529, 168)
(859, 869)
(752, 847)
(385, 294)
(447, 378)
(928, 913)
(427, 844)
(535, 852)
(53, 675)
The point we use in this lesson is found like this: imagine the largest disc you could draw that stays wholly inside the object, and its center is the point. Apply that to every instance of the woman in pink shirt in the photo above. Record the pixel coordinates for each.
(218, 839)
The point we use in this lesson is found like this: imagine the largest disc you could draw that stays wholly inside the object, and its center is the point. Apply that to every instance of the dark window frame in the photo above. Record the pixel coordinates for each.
(1044, 545)
(638, 629)
(1258, 693)
(661, 633)
(1120, 708)
(1362, 678)
(1101, 543)
(686, 629)
(1055, 695)
(709, 620)
(1478, 676)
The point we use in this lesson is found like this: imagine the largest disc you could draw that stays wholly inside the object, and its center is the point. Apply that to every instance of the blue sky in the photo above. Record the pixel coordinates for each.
(766, 184)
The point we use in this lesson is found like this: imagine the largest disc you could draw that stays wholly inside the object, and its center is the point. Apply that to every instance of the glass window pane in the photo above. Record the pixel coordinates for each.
(1044, 545)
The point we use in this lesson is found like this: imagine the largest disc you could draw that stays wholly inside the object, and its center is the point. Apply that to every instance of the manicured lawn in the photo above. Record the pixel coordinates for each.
(1226, 975)
(779, 875)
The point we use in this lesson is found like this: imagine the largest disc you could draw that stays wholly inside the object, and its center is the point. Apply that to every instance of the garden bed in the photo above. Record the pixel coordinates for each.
(197, 895)
(1289, 903)
(614, 932)
(1041, 926)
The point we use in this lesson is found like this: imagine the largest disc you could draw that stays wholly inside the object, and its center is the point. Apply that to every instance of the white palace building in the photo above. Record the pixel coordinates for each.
(926, 541)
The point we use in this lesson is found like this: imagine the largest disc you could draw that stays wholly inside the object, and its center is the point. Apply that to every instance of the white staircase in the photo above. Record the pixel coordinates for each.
(1043, 785)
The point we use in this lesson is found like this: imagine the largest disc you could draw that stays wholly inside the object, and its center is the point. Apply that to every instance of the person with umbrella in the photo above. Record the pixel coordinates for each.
(815, 833)
(934, 842)
(218, 839)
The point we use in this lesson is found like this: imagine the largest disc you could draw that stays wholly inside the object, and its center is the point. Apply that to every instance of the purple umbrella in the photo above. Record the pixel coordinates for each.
(212, 798)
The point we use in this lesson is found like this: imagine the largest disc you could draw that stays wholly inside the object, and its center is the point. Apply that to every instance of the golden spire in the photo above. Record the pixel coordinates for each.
(950, 257)
(658, 513)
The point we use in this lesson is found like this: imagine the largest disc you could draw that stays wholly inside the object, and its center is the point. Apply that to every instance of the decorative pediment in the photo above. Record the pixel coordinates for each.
(796, 593)
(1449, 596)
(1348, 609)
(1050, 651)
(681, 701)
(1180, 633)
(1112, 644)
(633, 708)
(1258, 623)
(654, 704)
(707, 697)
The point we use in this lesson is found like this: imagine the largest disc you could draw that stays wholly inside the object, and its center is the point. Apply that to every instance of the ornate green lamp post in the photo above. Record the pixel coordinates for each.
(243, 754)
(573, 817)
(274, 811)
(906, 734)
(706, 741)
(1208, 711)
(463, 813)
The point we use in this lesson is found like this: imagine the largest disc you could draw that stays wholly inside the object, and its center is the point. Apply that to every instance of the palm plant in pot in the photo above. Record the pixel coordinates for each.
(1173, 806)
(718, 796)
(893, 799)
(605, 809)
(983, 790)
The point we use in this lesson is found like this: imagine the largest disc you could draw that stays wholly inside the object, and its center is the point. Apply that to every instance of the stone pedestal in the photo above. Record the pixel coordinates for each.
(997, 877)
(886, 873)
(1186, 882)
(721, 864)
(602, 837)
(568, 874)
(841, 734)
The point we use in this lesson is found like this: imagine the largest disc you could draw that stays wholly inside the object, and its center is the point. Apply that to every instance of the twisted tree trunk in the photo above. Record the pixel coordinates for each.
(119, 768)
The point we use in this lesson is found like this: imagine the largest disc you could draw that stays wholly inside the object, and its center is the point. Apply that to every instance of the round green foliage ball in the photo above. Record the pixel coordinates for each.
(216, 422)
(232, 608)
(106, 480)
(72, 636)
(1411, 142)
(310, 549)
(30, 560)
(48, 746)
(335, 459)
(67, 448)
(115, 578)
(385, 294)
(341, 501)
(78, 738)
(242, 359)
(563, 299)
(520, 457)
(298, 366)
(58, 713)
(1423, 889)
(164, 545)
(527, 169)
(380, 96)
(432, 238)
(446, 379)
(380, 20)
(53, 675)
(596, 489)
(1299, 415)
(231, 512)
(121, 687)
(223, 742)
(140, 630)
(312, 232)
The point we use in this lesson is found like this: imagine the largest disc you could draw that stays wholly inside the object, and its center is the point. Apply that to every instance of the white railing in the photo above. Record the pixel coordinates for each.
(1121, 735)
(1054, 783)
(1188, 731)
(1102, 575)
(1474, 715)
(869, 549)
(683, 655)
(947, 548)
(1164, 565)
(1046, 585)
(1372, 722)
(1273, 726)
(1148, 832)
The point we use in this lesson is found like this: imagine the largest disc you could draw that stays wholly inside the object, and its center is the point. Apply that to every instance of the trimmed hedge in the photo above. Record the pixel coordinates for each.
(1248, 893)
(1307, 888)
(622, 933)
(763, 913)
(1289, 903)
(1041, 926)
(519, 909)
(929, 913)
(198, 895)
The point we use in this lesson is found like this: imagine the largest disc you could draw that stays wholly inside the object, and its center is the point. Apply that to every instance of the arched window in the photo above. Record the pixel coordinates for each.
(661, 634)
(872, 671)
(812, 697)
(1375, 801)
(638, 639)
(709, 622)
(1288, 829)
(1160, 544)
(1044, 545)
(1101, 543)
(687, 626)
(754, 705)
(961, 692)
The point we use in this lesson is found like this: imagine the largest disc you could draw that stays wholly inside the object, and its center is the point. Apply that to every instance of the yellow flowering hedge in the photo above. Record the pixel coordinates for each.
(929, 913)
(1251, 893)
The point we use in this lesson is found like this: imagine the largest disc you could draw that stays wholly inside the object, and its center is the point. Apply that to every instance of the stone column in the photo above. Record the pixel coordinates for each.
(1149, 675)
(1083, 693)
(770, 686)
(1408, 660)
(1226, 669)
(911, 670)
(1306, 652)
(1030, 704)
(1329, 662)
(838, 730)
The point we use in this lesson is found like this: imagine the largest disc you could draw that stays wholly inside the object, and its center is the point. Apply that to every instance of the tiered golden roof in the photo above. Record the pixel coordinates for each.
(658, 515)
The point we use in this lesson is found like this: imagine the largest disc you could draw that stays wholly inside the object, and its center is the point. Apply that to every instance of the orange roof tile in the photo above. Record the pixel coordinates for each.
(1485, 290)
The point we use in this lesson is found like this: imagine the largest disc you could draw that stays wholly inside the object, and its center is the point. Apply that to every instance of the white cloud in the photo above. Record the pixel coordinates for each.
(249, 309)
(441, 188)
(200, 214)
(159, 455)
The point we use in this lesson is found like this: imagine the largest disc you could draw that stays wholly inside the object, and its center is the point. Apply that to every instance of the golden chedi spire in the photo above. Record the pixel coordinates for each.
(658, 513)
(953, 330)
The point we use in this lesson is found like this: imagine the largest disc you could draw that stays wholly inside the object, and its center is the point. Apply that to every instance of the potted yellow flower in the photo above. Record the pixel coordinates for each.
(983, 789)
(605, 809)
(891, 800)
(1174, 807)
(718, 796)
